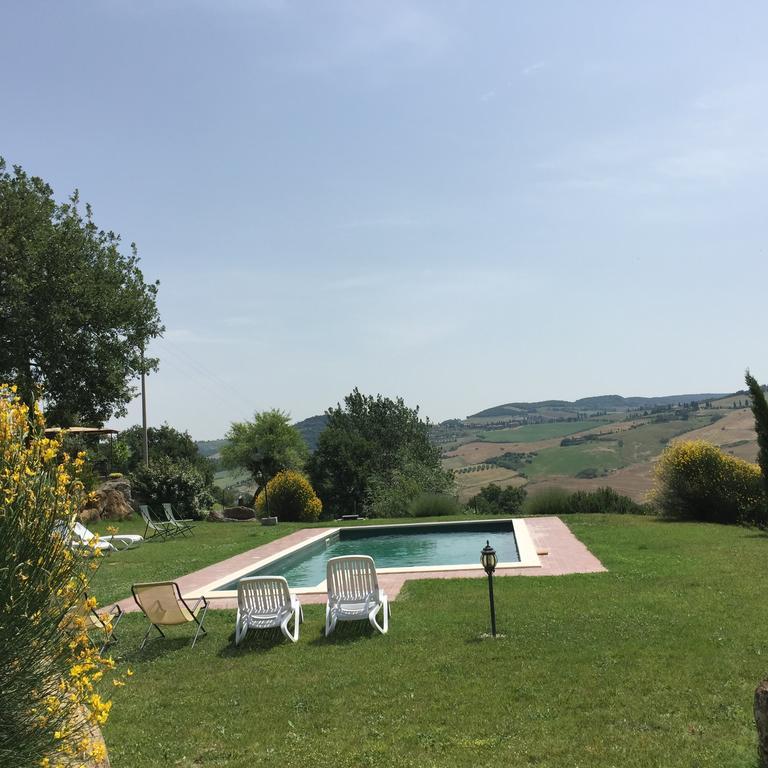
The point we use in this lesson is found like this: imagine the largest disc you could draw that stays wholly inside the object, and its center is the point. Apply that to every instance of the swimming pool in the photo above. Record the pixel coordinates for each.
(399, 548)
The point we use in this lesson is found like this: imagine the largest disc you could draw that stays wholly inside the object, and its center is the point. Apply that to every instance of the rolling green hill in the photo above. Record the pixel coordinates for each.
(595, 403)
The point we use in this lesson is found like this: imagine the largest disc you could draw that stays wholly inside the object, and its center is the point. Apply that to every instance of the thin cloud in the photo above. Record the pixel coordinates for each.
(533, 68)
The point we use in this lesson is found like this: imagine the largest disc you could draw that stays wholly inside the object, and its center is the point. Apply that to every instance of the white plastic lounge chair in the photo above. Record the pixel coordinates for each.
(162, 603)
(82, 541)
(264, 602)
(183, 525)
(161, 528)
(353, 593)
(81, 536)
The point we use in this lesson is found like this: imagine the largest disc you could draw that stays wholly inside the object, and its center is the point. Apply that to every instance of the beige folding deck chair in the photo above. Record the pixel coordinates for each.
(162, 603)
(354, 594)
(264, 602)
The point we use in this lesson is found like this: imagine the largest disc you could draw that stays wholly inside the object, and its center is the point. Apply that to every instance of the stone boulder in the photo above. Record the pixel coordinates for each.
(232, 514)
(106, 504)
(119, 484)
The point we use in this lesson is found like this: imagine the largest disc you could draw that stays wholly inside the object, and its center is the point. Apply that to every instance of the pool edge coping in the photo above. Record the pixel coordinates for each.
(526, 550)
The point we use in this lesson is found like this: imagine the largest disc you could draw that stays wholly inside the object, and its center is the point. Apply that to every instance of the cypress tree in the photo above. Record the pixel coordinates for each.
(760, 411)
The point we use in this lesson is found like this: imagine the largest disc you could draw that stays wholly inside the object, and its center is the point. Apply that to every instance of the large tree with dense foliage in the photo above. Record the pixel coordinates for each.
(368, 442)
(75, 313)
(265, 446)
(760, 412)
(164, 442)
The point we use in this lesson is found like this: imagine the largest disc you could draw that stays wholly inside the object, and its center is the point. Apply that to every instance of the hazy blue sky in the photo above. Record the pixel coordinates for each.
(460, 203)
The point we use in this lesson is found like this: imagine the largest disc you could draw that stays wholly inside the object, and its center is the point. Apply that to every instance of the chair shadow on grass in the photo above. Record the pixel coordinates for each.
(255, 640)
(155, 648)
(346, 632)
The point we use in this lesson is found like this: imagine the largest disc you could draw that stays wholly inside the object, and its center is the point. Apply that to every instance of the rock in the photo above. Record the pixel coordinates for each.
(231, 515)
(89, 514)
(240, 513)
(121, 485)
(761, 721)
(106, 504)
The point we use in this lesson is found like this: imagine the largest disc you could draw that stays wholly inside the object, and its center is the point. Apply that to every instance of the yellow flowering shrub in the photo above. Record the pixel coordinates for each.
(49, 668)
(696, 480)
(291, 498)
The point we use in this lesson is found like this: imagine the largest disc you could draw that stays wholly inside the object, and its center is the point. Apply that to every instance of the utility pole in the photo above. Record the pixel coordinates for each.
(144, 410)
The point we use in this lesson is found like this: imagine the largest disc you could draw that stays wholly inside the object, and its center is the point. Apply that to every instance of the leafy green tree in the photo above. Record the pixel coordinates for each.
(164, 442)
(177, 482)
(75, 313)
(495, 500)
(366, 441)
(394, 493)
(265, 446)
(760, 412)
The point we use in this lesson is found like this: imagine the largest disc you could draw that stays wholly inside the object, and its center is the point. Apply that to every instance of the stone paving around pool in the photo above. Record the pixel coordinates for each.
(560, 552)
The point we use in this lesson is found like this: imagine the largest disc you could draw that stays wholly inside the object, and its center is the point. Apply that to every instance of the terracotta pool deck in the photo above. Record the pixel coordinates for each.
(560, 553)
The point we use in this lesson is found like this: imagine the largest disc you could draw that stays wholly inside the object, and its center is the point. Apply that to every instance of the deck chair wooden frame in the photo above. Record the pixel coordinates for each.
(163, 605)
(354, 593)
(264, 602)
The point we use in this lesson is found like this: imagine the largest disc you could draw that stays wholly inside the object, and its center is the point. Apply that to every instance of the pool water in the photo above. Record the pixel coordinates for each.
(396, 546)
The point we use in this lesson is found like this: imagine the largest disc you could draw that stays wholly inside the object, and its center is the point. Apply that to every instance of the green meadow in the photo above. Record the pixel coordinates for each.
(651, 664)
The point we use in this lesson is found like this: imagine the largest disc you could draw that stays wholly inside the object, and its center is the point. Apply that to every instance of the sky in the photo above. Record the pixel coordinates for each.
(459, 203)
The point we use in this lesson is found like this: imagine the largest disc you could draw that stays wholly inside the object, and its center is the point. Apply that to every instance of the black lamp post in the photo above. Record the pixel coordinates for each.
(488, 559)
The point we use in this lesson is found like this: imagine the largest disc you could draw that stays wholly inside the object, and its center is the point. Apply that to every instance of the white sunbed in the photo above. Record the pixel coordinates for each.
(82, 537)
(82, 540)
(264, 602)
(354, 593)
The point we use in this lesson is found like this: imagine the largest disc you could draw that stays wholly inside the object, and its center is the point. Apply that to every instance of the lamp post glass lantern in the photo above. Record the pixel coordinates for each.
(489, 560)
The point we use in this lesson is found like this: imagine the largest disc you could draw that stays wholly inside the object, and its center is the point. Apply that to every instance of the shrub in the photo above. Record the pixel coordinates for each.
(178, 482)
(558, 501)
(495, 500)
(48, 665)
(434, 505)
(393, 494)
(696, 480)
(549, 501)
(605, 500)
(291, 498)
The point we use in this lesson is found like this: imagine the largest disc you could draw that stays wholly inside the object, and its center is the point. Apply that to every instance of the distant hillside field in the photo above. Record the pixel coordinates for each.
(531, 432)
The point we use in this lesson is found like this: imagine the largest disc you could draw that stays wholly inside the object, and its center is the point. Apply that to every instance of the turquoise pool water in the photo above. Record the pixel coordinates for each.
(396, 546)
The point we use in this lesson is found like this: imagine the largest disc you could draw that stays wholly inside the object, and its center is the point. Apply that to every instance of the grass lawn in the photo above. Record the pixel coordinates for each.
(651, 664)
